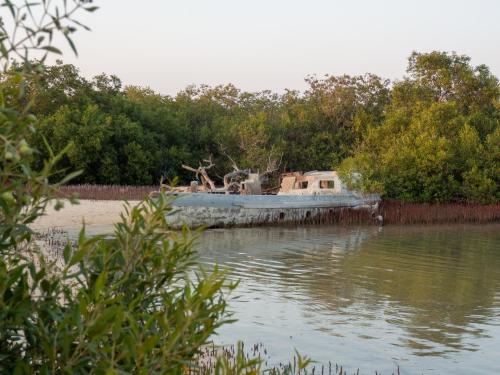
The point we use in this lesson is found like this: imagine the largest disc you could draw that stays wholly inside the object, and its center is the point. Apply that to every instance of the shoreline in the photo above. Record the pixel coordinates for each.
(100, 215)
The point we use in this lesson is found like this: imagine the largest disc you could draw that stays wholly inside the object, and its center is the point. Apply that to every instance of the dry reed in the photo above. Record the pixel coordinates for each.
(107, 192)
(396, 212)
(206, 361)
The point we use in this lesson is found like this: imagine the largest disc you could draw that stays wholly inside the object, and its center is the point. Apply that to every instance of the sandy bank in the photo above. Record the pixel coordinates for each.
(95, 214)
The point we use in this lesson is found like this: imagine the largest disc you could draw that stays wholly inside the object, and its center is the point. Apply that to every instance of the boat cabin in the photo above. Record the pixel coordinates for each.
(311, 183)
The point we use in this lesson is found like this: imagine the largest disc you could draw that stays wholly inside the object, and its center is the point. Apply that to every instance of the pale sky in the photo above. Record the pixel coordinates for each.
(275, 44)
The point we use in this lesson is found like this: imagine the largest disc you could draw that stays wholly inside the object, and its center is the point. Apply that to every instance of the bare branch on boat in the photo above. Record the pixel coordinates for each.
(202, 175)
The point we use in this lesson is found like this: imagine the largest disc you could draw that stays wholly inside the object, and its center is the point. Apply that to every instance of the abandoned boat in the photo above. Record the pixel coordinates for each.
(301, 198)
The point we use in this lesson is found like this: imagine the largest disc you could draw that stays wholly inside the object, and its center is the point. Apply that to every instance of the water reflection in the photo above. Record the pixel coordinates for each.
(424, 297)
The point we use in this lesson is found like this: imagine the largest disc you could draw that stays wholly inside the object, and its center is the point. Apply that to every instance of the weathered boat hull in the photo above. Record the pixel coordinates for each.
(222, 210)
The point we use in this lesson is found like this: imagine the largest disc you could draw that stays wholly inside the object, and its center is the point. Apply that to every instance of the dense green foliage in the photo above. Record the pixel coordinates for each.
(134, 136)
(440, 138)
(434, 136)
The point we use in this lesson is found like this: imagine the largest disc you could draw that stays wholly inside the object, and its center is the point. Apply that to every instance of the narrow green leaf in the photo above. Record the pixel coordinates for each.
(77, 257)
(3, 50)
(9, 5)
(70, 177)
(71, 44)
(67, 253)
(51, 49)
(99, 284)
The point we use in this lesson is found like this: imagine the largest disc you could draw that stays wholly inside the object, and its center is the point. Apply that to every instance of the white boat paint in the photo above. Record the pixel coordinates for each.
(301, 198)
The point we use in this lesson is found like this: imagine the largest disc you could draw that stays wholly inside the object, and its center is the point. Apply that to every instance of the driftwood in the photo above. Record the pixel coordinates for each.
(272, 166)
(202, 175)
(233, 180)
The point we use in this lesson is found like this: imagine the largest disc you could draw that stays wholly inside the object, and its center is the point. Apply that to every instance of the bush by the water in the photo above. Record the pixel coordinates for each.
(440, 137)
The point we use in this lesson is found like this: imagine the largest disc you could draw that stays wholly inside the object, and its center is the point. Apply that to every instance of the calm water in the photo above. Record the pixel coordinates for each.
(424, 298)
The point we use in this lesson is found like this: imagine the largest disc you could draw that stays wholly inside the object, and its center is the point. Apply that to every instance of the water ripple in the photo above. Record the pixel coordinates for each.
(422, 296)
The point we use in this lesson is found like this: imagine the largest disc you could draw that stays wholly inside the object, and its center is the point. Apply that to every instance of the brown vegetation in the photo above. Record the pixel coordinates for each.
(107, 192)
(397, 212)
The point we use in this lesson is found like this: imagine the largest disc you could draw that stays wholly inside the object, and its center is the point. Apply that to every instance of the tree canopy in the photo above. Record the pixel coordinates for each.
(431, 137)
(439, 140)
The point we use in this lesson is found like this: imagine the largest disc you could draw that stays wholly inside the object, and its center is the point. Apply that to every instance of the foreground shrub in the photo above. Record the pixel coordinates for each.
(125, 302)
(133, 303)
